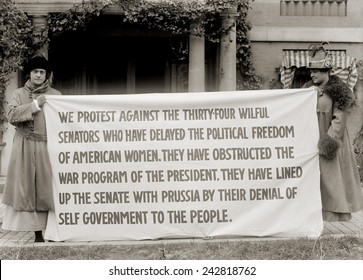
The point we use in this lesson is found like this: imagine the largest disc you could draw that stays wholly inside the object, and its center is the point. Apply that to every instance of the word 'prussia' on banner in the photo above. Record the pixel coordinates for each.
(134, 167)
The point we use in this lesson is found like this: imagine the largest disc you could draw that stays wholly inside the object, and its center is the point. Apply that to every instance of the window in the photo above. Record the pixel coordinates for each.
(313, 8)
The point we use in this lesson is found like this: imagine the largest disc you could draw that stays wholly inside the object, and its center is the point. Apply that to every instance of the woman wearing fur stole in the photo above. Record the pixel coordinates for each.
(341, 189)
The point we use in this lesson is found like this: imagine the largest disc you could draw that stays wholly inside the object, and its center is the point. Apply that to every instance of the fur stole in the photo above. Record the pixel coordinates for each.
(343, 98)
(340, 93)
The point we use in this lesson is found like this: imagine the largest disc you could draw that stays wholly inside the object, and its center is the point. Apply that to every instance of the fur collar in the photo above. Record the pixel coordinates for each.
(339, 92)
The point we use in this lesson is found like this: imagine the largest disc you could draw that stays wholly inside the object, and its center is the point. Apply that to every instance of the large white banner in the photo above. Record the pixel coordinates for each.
(147, 166)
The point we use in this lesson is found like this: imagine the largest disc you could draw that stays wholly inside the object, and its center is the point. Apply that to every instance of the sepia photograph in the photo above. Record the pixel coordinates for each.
(181, 139)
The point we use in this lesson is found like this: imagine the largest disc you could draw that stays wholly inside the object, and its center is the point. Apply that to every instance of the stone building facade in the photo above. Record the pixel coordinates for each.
(286, 26)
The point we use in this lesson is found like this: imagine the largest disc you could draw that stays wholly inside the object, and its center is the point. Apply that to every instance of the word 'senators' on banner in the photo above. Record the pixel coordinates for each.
(134, 167)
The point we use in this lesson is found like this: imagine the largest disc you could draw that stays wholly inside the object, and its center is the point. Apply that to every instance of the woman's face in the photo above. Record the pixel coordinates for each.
(37, 76)
(319, 77)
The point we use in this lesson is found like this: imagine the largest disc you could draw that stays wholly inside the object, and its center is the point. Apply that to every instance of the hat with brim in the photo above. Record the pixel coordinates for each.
(37, 62)
(319, 57)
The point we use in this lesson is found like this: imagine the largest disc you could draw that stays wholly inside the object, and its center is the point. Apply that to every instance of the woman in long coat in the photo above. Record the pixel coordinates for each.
(341, 189)
(28, 187)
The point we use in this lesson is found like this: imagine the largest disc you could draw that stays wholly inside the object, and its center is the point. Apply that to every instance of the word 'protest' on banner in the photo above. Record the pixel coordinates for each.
(184, 165)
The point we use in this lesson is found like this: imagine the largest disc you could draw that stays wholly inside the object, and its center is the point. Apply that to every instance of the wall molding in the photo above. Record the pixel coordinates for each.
(307, 34)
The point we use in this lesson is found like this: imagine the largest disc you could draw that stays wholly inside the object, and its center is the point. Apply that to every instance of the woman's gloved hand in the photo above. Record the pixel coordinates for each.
(41, 100)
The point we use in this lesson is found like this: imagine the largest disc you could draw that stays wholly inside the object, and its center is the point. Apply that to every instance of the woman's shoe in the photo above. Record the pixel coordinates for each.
(39, 236)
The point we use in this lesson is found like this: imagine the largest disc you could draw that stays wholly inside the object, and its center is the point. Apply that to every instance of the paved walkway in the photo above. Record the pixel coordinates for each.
(11, 238)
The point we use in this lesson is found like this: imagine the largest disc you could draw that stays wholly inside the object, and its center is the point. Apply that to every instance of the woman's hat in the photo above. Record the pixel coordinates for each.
(37, 62)
(319, 56)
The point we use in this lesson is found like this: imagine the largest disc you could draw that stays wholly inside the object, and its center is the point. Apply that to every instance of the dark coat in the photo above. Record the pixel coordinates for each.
(341, 188)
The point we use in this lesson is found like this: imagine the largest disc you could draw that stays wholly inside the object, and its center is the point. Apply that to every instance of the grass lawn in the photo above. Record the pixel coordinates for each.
(326, 248)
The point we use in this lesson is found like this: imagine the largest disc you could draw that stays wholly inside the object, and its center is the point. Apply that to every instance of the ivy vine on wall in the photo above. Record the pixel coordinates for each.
(15, 32)
(19, 40)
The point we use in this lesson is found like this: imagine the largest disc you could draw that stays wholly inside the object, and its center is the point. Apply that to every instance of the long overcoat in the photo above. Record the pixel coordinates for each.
(341, 189)
(28, 185)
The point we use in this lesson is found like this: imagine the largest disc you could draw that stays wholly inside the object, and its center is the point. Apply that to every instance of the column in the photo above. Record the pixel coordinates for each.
(40, 22)
(196, 76)
(227, 55)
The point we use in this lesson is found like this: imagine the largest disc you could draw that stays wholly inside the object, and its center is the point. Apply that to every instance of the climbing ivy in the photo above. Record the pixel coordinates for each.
(19, 40)
(174, 17)
(249, 80)
(77, 17)
(15, 33)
